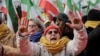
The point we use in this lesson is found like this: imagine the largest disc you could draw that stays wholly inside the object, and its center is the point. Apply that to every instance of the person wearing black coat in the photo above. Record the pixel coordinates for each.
(93, 20)
(60, 20)
(93, 46)
(93, 30)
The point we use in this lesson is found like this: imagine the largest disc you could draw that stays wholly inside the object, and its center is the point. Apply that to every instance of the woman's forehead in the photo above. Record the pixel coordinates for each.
(51, 29)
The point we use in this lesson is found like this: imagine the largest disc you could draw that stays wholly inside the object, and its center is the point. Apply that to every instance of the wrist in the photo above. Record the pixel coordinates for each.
(20, 35)
(79, 28)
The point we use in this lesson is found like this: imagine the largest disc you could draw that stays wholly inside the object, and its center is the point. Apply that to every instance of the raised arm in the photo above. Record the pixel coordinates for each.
(26, 47)
(79, 42)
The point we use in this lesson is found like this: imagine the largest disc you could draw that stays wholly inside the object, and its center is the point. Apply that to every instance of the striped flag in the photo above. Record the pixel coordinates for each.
(68, 7)
(74, 6)
(3, 7)
(60, 6)
(28, 10)
(49, 8)
(11, 15)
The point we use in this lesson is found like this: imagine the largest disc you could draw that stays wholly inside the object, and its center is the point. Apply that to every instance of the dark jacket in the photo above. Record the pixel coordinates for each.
(93, 46)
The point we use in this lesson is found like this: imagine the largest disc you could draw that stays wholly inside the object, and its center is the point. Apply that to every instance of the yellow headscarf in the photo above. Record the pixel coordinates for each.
(55, 47)
(8, 41)
(6, 36)
(3, 30)
(92, 24)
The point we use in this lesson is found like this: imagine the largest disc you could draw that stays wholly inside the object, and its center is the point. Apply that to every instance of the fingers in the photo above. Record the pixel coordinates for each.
(19, 22)
(76, 23)
(69, 24)
(23, 25)
(31, 30)
(24, 21)
(78, 14)
(71, 15)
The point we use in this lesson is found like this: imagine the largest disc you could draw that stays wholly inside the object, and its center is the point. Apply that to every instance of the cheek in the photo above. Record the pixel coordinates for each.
(57, 23)
(61, 24)
(58, 36)
(29, 28)
(36, 28)
(47, 37)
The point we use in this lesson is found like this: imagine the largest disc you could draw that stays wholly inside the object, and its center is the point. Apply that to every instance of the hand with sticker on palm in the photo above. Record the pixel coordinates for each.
(23, 27)
(76, 21)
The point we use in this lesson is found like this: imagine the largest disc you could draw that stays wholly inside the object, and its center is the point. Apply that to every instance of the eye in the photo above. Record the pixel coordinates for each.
(50, 32)
(55, 32)
(32, 26)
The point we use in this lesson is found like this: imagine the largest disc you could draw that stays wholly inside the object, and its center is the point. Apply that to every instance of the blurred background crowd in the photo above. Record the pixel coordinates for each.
(43, 13)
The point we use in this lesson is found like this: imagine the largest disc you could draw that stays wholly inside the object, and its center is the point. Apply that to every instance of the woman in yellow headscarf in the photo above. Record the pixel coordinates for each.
(52, 43)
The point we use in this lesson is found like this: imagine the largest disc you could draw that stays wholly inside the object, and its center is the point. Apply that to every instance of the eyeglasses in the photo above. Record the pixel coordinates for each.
(32, 26)
(50, 32)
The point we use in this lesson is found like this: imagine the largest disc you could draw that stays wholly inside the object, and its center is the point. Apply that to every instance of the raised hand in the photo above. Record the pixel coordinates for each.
(22, 27)
(76, 21)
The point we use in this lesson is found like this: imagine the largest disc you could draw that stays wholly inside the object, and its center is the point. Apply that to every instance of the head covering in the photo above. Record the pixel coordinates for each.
(47, 23)
(52, 27)
(6, 36)
(93, 18)
(61, 16)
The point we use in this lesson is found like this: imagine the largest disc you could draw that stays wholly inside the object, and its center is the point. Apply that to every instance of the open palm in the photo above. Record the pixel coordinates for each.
(22, 28)
(76, 21)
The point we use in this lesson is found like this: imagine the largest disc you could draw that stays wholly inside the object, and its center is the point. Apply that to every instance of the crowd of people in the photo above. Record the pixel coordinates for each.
(65, 35)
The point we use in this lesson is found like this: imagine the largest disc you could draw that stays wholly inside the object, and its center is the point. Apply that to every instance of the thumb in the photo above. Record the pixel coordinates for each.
(31, 30)
(69, 24)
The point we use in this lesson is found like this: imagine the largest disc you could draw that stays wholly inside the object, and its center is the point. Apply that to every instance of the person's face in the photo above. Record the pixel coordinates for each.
(33, 26)
(61, 24)
(52, 35)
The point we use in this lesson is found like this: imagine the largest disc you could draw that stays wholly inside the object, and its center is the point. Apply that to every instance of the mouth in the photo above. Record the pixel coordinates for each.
(53, 38)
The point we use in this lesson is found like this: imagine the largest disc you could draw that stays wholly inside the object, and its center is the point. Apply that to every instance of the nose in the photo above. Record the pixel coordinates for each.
(52, 33)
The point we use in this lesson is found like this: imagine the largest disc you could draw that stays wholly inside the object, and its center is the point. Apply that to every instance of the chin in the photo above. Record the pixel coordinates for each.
(32, 33)
(53, 41)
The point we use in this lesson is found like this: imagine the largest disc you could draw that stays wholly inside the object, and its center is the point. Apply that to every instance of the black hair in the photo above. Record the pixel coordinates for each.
(61, 16)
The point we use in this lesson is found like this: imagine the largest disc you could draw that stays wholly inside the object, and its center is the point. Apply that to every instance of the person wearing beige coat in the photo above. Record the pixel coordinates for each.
(52, 43)
(8, 42)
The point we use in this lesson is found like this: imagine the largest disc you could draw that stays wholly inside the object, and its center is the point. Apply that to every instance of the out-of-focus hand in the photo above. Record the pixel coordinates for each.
(76, 21)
